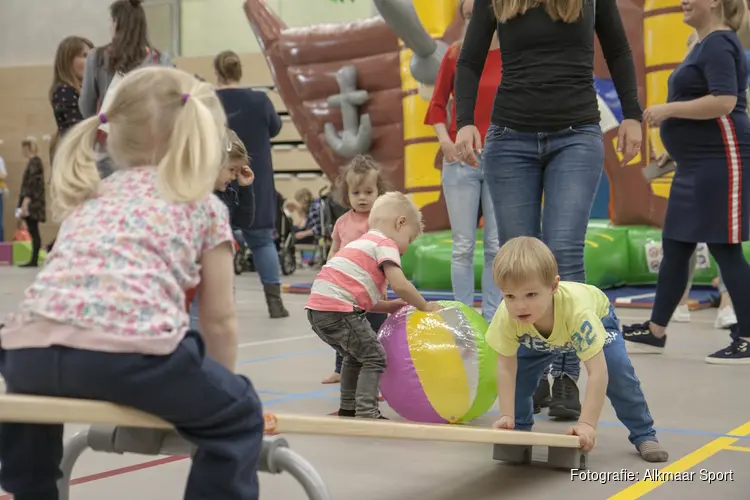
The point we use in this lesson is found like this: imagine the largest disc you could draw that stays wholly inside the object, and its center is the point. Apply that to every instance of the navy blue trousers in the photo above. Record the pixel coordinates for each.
(209, 406)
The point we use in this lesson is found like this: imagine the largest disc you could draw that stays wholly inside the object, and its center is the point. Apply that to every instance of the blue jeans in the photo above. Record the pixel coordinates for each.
(624, 388)
(209, 406)
(265, 255)
(566, 166)
(465, 189)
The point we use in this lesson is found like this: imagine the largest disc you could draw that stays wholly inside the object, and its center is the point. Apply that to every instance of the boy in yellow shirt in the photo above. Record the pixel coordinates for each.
(540, 317)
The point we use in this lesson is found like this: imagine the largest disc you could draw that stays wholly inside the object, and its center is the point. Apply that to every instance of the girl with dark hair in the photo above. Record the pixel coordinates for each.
(31, 201)
(128, 50)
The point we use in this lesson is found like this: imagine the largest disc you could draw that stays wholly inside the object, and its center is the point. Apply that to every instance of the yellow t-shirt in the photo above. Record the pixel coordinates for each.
(578, 310)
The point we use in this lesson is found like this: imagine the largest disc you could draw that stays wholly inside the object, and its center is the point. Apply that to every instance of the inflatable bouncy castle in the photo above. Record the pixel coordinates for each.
(362, 87)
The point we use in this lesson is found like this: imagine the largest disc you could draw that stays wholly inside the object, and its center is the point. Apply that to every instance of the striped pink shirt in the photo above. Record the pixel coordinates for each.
(354, 277)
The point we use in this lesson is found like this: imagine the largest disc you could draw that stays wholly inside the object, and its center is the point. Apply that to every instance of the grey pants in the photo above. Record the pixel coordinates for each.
(351, 335)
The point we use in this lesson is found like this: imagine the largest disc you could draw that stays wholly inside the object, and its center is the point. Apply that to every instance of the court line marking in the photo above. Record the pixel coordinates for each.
(738, 448)
(276, 341)
(685, 463)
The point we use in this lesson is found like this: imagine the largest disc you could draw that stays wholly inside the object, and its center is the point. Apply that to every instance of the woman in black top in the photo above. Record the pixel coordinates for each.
(32, 198)
(545, 135)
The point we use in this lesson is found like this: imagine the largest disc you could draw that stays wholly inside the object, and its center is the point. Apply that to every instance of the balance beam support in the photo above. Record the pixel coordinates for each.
(275, 455)
(557, 457)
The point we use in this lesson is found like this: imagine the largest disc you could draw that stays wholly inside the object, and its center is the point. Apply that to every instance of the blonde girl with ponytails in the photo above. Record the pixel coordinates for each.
(105, 319)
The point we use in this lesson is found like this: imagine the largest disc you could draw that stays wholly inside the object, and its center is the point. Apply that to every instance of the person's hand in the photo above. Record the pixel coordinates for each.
(432, 307)
(468, 140)
(245, 176)
(663, 160)
(629, 138)
(395, 305)
(586, 435)
(657, 113)
(449, 151)
(505, 422)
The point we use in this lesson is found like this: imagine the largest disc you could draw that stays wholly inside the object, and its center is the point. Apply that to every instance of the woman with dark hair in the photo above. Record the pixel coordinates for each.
(544, 136)
(128, 50)
(253, 118)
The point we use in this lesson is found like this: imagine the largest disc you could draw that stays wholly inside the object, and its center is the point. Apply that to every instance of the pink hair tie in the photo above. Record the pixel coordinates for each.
(102, 118)
(185, 97)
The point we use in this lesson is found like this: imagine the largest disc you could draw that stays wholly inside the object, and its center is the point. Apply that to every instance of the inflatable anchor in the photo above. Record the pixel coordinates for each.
(356, 137)
(402, 18)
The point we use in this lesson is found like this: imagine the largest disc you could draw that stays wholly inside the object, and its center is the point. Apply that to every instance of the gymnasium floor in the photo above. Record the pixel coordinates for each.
(700, 411)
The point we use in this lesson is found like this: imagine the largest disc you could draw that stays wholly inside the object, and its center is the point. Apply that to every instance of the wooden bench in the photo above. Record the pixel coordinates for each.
(117, 429)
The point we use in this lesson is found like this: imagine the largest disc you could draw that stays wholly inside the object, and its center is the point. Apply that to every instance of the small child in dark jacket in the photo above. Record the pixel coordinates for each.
(236, 174)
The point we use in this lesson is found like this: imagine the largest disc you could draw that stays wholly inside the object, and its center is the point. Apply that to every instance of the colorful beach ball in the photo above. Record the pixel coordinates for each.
(440, 369)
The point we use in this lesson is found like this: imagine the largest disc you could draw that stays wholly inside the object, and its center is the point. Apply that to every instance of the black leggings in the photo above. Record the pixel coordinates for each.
(36, 239)
(675, 269)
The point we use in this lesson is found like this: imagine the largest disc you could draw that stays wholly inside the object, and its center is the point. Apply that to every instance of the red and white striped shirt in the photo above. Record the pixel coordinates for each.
(354, 278)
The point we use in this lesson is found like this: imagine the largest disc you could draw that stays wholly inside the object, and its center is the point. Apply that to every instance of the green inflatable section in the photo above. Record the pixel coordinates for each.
(613, 256)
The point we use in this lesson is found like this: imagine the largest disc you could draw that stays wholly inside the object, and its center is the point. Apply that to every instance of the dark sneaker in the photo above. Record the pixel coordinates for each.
(738, 353)
(641, 338)
(346, 413)
(542, 395)
(565, 403)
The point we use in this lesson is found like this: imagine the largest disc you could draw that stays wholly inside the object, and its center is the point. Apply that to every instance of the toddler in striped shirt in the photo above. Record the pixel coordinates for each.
(352, 284)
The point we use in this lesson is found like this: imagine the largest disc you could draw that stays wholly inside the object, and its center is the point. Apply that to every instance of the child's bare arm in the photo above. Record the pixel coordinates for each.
(506, 384)
(404, 288)
(388, 306)
(216, 309)
(596, 390)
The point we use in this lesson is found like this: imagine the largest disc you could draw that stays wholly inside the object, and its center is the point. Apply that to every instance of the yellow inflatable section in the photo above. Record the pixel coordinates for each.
(665, 44)
(420, 148)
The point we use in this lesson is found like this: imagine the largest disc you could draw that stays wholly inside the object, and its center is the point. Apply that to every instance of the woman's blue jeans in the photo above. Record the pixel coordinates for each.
(265, 256)
(465, 189)
(566, 167)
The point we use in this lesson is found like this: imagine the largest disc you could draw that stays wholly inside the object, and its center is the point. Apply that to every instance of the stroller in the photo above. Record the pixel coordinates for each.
(285, 237)
(330, 211)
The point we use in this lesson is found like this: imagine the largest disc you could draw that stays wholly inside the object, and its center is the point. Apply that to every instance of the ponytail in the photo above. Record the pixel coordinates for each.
(188, 170)
(74, 174)
(735, 13)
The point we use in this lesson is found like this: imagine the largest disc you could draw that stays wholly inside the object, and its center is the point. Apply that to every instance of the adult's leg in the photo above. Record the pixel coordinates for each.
(512, 169)
(626, 395)
(266, 260)
(574, 162)
(491, 295)
(725, 316)
(2, 232)
(36, 241)
(735, 272)
(670, 285)
(209, 405)
(682, 312)
(462, 185)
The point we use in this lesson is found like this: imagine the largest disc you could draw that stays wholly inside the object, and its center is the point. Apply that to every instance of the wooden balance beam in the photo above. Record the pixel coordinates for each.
(510, 446)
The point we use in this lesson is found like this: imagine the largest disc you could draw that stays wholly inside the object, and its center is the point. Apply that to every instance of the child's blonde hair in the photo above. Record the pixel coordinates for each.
(392, 205)
(236, 148)
(524, 259)
(357, 169)
(160, 117)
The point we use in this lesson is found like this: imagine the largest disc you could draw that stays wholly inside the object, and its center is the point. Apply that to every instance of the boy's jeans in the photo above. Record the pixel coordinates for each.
(624, 388)
(364, 357)
(210, 406)
(376, 321)
(566, 167)
(465, 189)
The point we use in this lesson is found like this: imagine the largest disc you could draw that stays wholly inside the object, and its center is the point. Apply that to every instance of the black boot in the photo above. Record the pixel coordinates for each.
(273, 299)
(542, 395)
(565, 404)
